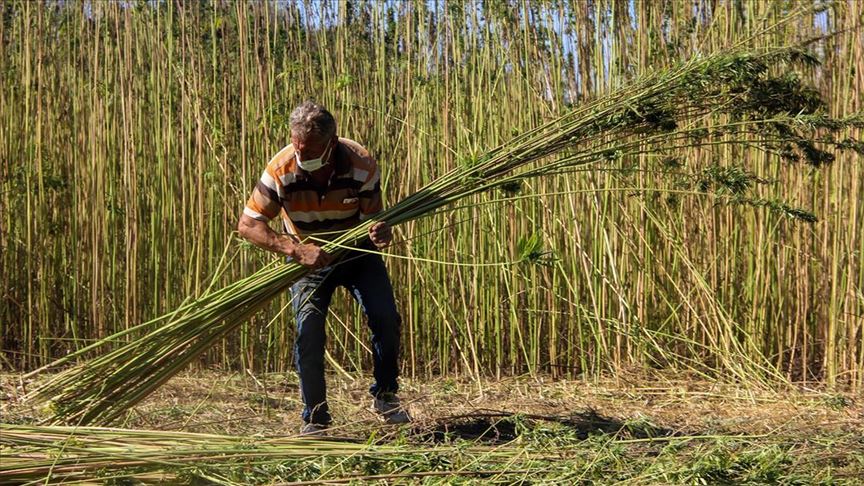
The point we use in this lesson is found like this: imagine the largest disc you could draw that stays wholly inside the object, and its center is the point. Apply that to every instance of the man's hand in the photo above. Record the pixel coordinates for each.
(310, 255)
(381, 234)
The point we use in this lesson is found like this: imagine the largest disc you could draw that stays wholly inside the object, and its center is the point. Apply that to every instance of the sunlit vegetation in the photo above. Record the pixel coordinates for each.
(131, 136)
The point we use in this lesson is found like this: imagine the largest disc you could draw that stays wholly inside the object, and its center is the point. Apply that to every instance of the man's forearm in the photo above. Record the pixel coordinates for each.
(259, 234)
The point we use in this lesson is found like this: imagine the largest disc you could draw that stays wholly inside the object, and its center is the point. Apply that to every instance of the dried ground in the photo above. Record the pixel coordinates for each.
(721, 433)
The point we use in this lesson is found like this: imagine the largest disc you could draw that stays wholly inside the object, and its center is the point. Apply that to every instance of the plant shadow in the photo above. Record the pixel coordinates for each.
(498, 427)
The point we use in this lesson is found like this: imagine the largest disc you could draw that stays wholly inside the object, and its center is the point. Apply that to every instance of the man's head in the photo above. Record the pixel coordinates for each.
(313, 134)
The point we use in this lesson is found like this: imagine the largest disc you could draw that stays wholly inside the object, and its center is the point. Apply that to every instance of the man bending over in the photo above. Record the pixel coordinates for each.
(322, 184)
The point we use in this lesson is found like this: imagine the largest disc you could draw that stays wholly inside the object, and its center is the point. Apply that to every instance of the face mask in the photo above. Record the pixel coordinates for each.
(312, 165)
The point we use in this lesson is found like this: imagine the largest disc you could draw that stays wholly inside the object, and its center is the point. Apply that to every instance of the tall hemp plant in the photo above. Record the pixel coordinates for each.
(728, 98)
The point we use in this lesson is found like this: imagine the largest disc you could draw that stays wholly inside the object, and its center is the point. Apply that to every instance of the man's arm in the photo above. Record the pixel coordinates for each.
(259, 234)
(371, 204)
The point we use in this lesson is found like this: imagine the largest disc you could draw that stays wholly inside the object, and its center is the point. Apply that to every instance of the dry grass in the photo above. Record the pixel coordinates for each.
(237, 403)
(635, 429)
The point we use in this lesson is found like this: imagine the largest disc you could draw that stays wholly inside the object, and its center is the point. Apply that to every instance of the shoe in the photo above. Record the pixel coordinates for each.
(313, 430)
(387, 405)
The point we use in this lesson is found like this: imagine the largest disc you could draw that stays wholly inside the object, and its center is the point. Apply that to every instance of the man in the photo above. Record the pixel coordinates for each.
(323, 184)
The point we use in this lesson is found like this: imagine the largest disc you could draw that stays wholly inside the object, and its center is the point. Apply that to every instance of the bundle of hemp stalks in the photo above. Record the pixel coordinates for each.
(40, 454)
(730, 97)
(33, 454)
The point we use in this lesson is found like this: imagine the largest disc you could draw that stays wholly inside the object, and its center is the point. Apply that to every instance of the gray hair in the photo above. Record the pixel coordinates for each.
(312, 121)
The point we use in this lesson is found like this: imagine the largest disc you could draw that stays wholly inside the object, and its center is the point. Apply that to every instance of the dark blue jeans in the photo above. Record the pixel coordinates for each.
(365, 277)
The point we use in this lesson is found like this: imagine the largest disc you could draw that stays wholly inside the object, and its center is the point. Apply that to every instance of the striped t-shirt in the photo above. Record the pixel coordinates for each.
(353, 192)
